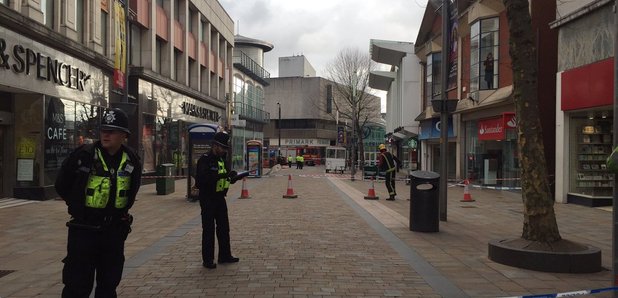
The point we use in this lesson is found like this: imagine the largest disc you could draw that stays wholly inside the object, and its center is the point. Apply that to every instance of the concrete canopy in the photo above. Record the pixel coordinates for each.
(381, 80)
(390, 52)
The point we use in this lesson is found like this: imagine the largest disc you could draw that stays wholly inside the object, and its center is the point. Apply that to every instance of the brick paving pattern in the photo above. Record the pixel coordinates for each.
(320, 244)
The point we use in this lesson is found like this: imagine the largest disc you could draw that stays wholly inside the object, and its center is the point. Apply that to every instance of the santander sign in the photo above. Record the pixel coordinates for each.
(494, 128)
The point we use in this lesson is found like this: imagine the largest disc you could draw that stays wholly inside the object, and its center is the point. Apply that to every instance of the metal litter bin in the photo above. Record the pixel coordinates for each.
(424, 201)
(165, 181)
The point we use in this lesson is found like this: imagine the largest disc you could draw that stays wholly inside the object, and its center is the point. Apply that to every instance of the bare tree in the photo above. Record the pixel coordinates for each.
(539, 216)
(351, 98)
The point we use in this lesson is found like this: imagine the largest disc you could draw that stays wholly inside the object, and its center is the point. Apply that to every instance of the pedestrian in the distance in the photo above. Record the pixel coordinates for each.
(99, 183)
(213, 178)
(290, 161)
(299, 162)
(388, 164)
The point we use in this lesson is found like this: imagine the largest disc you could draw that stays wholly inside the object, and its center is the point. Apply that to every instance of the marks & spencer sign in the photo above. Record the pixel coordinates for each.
(30, 65)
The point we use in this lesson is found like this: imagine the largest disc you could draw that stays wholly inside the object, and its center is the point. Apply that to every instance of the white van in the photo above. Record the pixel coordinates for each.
(335, 159)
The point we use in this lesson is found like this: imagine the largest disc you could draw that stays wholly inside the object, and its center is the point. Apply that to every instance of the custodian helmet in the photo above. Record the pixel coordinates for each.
(115, 119)
(222, 139)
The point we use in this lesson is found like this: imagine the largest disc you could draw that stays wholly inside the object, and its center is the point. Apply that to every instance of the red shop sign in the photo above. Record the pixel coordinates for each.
(495, 128)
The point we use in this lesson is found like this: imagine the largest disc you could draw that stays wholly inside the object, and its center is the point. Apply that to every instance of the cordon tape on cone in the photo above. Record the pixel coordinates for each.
(371, 194)
(290, 192)
(467, 196)
(244, 194)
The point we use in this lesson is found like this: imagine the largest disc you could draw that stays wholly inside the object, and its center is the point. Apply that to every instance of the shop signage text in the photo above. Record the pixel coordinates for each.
(25, 60)
(200, 112)
(495, 128)
(305, 142)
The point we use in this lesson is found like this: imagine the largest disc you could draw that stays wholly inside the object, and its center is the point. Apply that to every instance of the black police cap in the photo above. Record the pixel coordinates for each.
(222, 139)
(115, 119)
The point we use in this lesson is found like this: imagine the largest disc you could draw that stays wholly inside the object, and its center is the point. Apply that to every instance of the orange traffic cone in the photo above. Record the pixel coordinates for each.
(467, 196)
(371, 195)
(244, 194)
(290, 193)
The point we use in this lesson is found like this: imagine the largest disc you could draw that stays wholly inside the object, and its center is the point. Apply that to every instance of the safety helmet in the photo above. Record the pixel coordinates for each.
(381, 147)
(222, 139)
(115, 119)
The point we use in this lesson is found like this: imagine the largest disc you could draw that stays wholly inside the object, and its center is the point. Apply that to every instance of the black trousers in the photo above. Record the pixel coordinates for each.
(91, 253)
(214, 213)
(389, 178)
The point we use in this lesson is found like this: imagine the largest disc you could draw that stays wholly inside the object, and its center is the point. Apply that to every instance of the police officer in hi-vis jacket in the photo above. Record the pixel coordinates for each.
(213, 178)
(99, 183)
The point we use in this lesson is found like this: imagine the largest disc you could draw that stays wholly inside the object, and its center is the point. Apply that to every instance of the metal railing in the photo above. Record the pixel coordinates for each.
(250, 112)
(250, 67)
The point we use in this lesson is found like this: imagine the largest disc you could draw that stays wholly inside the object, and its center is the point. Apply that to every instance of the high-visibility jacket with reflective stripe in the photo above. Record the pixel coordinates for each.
(390, 163)
(102, 181)
(223, 183)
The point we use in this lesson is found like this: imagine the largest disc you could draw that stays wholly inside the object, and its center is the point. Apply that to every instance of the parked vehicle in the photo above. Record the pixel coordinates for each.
(336, 159)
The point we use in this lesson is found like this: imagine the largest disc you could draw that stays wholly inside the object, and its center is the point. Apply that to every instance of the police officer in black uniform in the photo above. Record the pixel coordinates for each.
(213, 179)
(99, 183)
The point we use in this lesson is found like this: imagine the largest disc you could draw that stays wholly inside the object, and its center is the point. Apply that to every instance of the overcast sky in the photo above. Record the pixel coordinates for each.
(319, 29)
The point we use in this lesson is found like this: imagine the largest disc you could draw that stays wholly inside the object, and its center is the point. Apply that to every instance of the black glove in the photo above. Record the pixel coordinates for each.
(232, 175)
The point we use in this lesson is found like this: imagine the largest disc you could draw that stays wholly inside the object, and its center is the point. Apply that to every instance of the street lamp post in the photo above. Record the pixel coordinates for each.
(279, 127)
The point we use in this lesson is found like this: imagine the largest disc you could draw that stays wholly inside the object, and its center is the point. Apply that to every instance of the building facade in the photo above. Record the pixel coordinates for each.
(249, 115)
(304, 119)
(482, 130)
(403, 101)
(63, 63)
(584, 101)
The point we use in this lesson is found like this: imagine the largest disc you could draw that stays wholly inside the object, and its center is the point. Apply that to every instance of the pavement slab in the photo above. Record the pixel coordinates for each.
(328, 242)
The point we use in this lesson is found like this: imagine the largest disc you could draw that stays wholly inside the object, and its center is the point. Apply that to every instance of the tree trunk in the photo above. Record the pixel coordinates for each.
(539, 217)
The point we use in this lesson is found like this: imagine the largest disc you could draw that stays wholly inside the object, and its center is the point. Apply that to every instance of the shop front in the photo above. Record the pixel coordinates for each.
(430, 146)
(50, 103)
(584, 137)
(165, 116)
(491, 158)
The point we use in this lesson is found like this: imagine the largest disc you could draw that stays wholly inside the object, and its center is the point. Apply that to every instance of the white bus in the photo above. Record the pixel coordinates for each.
(335, 159)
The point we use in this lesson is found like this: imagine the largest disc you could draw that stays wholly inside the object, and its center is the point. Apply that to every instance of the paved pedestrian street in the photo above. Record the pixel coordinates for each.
(327, 242)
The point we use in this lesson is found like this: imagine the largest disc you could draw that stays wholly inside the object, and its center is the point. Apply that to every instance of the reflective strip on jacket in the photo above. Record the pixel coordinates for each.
(100, 183)
(223, 183)
(390, 163)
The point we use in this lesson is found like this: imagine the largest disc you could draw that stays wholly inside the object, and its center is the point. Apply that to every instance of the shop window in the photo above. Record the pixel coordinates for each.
(592, 139)
(484, 45)
(148, 143)
(162, 145)
(59, 135)
(87, 120)
(491, 162)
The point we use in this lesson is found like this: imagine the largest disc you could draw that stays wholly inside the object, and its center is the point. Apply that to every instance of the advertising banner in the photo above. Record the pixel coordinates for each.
(120, 49)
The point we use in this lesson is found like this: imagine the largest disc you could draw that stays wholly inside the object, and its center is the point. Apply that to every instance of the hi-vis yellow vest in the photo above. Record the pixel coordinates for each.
(100, 182)
(223, 183)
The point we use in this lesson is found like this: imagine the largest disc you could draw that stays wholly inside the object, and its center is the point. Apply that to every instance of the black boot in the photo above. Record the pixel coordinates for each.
(209, 265)
(229, 259)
